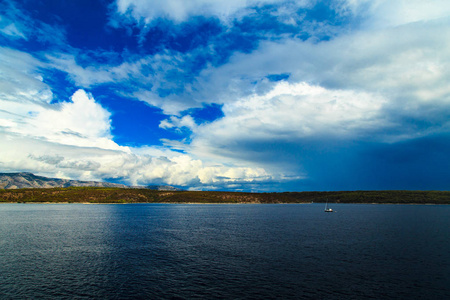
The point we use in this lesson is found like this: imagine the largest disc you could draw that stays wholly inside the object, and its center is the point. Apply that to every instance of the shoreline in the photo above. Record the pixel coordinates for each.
(224, 203)
(127, 196)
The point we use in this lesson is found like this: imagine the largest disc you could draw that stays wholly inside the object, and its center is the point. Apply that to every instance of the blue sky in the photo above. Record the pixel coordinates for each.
(248, 95)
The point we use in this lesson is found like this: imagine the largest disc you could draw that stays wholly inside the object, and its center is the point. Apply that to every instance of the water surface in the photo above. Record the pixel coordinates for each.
(240, 251)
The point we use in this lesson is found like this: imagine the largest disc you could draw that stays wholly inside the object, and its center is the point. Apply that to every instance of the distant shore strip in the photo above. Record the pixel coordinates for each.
(93, 195)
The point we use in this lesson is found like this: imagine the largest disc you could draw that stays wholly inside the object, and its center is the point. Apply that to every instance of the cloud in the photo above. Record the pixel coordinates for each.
(93, 73)
(26, 108)
(291, 111)
(11, 15)
(82, 122)
(356, 87)
(73, 139)
(20, 80)
(375, 60)
(297, 100)
(16, 24)
(12, 31)
(179, 10)
(163, 80)
(174, 81)
(273, 129)
(179, 123)
(377, 14)
(87, 163)
(408, 66)
(384, 84)
(177, 18)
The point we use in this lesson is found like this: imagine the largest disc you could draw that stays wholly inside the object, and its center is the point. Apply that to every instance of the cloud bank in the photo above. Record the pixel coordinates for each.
(73, 139)
(245, 94)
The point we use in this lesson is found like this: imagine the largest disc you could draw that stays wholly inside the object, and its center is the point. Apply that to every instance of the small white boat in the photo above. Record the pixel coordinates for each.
(327, 209)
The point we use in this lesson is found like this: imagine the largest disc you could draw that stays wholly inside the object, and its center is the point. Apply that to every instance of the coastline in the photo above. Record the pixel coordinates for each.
(222, 203)
(97, 195)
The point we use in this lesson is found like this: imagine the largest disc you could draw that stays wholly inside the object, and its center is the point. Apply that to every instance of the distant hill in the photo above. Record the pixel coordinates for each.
(29, 180)
(162, 188)
(145, 195)
(27, 187)
(26, 180)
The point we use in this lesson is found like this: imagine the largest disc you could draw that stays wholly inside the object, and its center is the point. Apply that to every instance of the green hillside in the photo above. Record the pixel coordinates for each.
(121, 195)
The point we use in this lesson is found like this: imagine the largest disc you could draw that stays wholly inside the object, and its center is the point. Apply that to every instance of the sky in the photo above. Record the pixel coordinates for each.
(237, 95)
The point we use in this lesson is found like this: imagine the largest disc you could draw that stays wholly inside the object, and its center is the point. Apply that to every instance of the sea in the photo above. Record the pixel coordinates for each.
(225, 251)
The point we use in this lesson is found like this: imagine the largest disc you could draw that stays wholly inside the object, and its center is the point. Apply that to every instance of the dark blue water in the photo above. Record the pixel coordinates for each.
(157, 251)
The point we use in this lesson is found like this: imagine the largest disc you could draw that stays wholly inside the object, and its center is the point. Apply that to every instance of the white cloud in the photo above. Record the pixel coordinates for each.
(86, 163)
(291, 111)
(12, 31)
(179, 123)
(19, 79)
(26, 109)
(15, 23)
(255, 127)
(376, 76)
(145, 78)
(73, 139)
(375, 59)
(407, 66)
(392, 64)
(82, 76)
(377, 14)
(179, 10)
(82, 122)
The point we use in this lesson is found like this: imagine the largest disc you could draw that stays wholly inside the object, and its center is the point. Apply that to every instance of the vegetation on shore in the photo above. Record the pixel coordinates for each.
(123, 195)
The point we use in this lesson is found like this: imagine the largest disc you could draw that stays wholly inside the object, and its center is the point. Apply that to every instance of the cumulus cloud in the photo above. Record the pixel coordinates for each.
(272, 129)
(26, 109)
(381, 77)
(73, 139)
(86, 163)
(291, 129)
(81, 122)
(368, 58)
(291, 111)
(407, 66)
(375, 82)
(376, 60)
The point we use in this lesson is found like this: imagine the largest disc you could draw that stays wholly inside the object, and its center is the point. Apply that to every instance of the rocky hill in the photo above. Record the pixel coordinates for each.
(29, 180)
